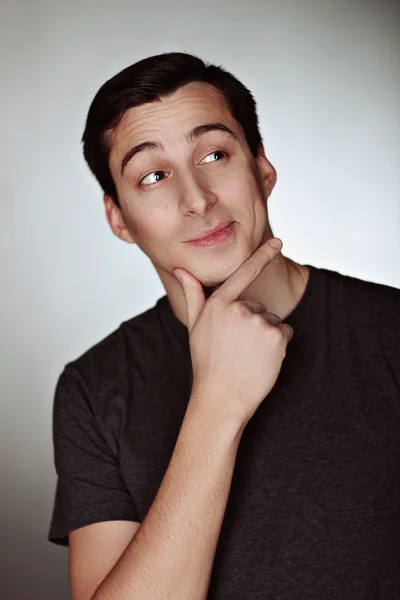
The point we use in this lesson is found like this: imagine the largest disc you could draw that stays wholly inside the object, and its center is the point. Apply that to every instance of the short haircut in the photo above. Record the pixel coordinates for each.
(150, 80)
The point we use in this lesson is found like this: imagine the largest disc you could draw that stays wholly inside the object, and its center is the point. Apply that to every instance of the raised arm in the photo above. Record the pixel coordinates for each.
(237, 350)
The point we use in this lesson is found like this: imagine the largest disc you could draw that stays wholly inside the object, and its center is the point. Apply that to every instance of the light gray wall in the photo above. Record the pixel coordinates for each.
(326, 75)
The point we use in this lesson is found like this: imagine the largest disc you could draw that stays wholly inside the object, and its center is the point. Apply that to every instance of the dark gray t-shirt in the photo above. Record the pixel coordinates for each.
(314, 507)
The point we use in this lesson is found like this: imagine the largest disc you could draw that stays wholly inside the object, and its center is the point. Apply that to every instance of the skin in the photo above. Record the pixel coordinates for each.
(193, 190)
(236, 347)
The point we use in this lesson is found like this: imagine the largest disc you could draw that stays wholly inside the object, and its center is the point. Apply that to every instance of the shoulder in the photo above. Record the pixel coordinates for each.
(371, 311)
(122, 341)
(104, 370)
(381, 300)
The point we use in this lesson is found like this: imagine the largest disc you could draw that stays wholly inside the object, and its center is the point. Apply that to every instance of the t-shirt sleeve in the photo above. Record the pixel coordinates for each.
(388, 316)
(89, 487)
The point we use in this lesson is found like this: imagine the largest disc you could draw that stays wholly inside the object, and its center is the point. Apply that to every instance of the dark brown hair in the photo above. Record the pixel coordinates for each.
(147, 81)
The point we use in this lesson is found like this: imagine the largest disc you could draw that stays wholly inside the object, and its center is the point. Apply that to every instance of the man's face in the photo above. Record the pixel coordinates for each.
(197, 173)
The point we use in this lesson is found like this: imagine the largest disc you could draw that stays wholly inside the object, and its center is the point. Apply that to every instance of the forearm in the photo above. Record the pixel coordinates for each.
(172, 554)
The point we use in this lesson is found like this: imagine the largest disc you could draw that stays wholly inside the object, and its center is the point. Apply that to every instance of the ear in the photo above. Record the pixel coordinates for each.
(267, 171)
(116, 220)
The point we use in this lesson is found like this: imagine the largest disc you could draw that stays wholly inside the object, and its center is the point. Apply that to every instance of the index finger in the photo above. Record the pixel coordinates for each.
(245, 275)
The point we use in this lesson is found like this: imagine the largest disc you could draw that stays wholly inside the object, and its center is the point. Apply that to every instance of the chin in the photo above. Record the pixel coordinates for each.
(217, 274)
(215, 268)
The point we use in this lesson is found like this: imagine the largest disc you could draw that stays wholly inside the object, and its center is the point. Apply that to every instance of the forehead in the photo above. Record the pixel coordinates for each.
(169, 119)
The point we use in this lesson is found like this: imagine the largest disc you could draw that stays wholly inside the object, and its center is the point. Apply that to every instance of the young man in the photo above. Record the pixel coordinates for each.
(193, 461)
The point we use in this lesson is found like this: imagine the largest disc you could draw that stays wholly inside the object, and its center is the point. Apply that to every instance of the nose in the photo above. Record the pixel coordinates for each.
(196, 197)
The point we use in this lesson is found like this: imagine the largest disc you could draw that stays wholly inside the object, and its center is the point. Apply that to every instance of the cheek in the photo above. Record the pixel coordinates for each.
(151, 224)
(243, 194)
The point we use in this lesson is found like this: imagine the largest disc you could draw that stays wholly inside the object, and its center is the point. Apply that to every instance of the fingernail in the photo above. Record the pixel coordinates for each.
(275, 242)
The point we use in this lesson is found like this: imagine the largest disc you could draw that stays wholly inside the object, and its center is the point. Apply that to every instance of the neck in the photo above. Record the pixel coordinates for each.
(280, 287)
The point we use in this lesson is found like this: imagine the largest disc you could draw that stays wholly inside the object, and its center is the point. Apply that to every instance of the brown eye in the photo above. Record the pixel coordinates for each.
(214, 156)
(153, 177)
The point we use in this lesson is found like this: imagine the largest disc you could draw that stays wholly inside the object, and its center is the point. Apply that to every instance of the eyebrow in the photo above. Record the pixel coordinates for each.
(139, 148)
(191, 137)
(200, 130)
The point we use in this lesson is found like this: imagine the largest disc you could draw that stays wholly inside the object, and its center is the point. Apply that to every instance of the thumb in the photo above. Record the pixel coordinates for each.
(194, 295)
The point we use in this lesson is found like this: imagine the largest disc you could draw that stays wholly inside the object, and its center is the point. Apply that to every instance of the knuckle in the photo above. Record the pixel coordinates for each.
(267, 252)
(240, 309)
(259, 321)
(276, 335)
(250, 269)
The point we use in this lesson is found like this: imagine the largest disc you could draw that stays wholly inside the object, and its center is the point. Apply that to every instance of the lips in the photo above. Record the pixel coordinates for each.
(210, 232)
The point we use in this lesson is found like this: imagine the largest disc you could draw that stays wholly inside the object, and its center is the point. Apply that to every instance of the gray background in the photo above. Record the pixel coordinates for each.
(326, 75)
